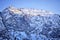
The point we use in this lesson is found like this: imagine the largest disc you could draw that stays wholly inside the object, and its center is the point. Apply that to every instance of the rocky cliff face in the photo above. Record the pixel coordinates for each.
(29, 24)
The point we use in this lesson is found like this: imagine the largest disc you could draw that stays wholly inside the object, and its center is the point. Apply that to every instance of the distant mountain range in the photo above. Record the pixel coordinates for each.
(29, 24)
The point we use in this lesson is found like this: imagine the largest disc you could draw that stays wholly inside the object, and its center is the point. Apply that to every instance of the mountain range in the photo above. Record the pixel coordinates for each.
(29, 24)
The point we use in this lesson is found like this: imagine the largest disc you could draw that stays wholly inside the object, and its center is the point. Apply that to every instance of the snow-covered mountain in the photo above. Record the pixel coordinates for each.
(29, 24)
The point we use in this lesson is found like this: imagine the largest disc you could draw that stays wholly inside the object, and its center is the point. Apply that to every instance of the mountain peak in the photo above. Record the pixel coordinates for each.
(14, 10)
(29, 11)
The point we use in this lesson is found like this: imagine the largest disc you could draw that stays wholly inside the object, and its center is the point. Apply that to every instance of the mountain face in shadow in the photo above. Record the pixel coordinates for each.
(29, 24)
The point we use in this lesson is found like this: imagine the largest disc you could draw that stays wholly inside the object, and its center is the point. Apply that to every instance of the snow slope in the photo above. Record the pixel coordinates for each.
(29, 24)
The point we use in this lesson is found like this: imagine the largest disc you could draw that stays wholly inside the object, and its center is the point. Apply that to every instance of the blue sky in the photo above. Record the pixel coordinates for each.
(50, 5)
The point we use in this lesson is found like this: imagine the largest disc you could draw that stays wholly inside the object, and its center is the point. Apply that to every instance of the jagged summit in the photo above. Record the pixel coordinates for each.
(29, 11)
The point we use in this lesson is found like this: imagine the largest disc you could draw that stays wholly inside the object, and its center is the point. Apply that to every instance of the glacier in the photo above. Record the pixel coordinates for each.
(29, 24)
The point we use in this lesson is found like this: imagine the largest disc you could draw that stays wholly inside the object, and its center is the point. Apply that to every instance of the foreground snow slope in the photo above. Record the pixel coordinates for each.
(29, 24)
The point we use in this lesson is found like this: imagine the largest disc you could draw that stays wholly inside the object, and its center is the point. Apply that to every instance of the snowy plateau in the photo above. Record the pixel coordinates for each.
(29, 24)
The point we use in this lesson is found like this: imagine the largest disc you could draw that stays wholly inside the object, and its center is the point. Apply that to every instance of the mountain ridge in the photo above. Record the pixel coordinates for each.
(29, 11)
